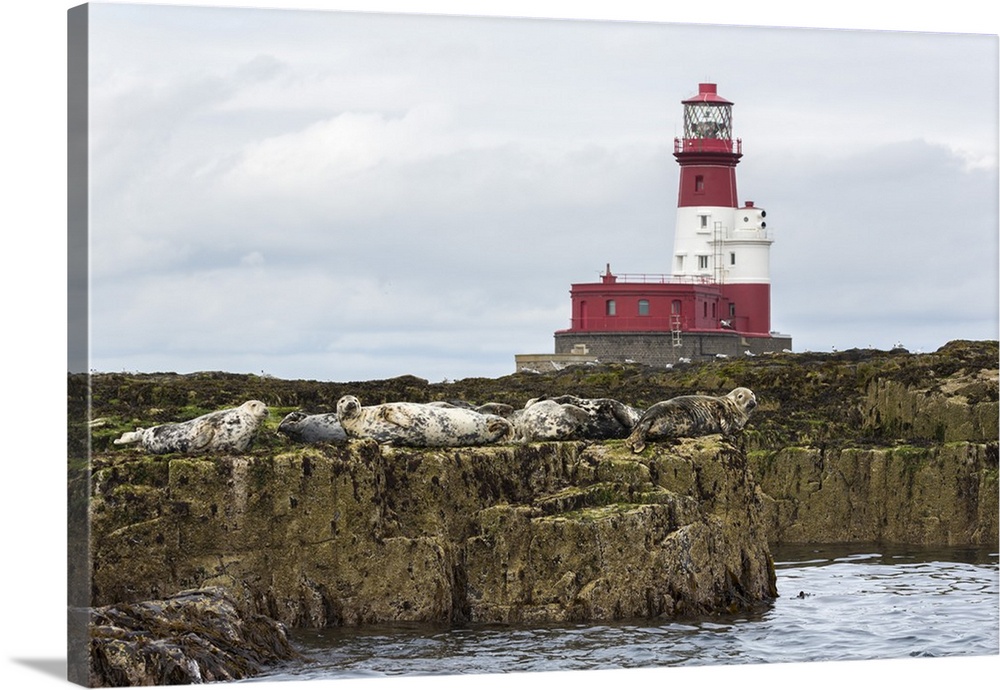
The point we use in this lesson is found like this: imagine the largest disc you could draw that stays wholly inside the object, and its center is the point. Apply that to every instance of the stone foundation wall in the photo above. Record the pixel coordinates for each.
(656, 349)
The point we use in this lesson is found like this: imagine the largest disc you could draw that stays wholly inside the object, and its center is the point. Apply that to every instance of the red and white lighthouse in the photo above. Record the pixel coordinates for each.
(715, 238)
(716, 298)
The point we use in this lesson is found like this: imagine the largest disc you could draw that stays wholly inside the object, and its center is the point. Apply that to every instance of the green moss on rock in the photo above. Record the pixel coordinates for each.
(361, 533)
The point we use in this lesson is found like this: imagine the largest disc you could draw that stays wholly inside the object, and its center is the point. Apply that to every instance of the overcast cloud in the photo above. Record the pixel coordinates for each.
(345, 196)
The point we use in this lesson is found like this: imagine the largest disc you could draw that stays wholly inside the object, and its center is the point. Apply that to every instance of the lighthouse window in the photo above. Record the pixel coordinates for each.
(699, 183)
(732, 309)
(675, 307)
(704, 221)
(702, 262)
(644, 307)
(732, 258)
(610, 307)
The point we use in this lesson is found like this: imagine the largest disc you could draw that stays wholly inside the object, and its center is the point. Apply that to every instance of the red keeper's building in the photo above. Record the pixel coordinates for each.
(717, 299)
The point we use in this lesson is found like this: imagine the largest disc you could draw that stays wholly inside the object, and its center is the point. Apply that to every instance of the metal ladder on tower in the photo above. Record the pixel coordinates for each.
(675, 330)
(718, 268)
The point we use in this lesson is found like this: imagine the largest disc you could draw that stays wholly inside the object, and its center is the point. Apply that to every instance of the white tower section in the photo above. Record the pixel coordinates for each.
(746, 249)
(722, 245)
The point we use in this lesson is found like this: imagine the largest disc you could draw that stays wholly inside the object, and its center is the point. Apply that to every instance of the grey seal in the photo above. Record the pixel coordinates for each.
(229, 430)
(693, 415)
(313, 428)
(548, 420)
(607, 418)
(499, 409)
(421, 424)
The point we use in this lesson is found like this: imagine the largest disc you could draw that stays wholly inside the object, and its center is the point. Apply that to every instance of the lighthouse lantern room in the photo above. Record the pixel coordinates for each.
(708, 120)
(717, 298)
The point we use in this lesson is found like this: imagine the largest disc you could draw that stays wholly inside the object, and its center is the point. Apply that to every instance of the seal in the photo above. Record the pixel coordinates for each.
(465, 405)
(607, 418)
(548, 420)
(693, 415)
(229, 430)
(421, 424)
(313, 428)
(499, 409)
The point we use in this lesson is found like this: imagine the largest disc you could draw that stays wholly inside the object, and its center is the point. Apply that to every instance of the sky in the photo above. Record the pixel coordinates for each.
(347, 196)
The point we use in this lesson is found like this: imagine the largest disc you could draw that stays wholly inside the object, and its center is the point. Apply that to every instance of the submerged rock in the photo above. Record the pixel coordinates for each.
(191, 637)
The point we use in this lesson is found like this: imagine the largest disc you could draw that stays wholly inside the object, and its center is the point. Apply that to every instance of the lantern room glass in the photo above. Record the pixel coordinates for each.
(708, 121)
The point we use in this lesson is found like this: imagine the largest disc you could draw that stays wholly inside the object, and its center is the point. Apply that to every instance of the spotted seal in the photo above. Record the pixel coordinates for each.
(693, 415)
(421, 424)
(548, 420)
(607, 418)
(312, 428)
(229, 430)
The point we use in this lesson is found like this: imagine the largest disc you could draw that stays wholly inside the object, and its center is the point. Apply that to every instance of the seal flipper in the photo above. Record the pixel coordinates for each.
(130, 437)
(637, 439)
(202, 438)
(396, 416)
(500, 428)
(622, 415)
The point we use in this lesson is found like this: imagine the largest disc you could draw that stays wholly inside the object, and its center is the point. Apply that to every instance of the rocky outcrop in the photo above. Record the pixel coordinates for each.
(959, 407)
(919, 467)
(325, 535)
(934, 495)
(861, 446)
(191, 637)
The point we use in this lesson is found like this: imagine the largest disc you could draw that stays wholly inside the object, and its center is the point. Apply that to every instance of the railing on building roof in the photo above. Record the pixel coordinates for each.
(662, 278)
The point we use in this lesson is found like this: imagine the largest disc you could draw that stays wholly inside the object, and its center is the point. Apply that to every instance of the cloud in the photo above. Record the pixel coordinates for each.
(339, 149)
(901, 238)
(359, 193)
(279, 314)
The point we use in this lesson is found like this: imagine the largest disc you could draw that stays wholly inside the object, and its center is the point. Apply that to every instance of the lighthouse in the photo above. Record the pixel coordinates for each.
(716, 238)
(715, 298)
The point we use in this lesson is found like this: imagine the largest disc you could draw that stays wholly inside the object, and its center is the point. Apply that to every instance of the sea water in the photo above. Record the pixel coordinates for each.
(834, 603)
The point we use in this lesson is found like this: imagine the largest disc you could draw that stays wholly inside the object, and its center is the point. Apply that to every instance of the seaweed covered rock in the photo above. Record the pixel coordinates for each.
(962, 406)
(195, 636)
(362, 533)
(934, 495)
(685, 538)
(847, 398)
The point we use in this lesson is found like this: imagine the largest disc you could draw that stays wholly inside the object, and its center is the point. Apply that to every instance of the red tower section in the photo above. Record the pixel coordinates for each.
(707, 153)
